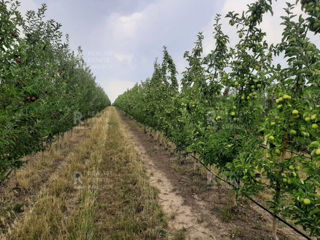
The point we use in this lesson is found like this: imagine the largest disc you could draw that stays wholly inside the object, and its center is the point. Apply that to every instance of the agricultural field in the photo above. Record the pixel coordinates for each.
(229, 148)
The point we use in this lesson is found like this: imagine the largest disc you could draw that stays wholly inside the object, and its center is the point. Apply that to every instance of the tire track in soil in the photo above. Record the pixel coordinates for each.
(184, 214)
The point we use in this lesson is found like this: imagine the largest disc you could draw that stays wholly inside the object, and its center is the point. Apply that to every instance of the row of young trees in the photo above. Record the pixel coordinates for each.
(257, 121)
(43, 84)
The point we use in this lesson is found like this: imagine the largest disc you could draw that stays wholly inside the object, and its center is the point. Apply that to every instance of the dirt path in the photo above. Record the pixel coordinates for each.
(195, 208)
(182, 217)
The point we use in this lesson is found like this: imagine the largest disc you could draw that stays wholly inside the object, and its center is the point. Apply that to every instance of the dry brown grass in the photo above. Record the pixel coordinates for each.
(127, 205)
(22, 189)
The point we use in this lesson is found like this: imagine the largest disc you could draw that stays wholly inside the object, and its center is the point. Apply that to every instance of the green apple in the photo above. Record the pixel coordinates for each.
(291, 167)
(306, 201)
(295, 112)
(286, 97)
(236, 84)
(273, 123)
(293, 132)
(318, 151)
(305, 134)
(279, 100)
(233, 113)
(314, 126)
(271, 138)
(307, 119)
(313, 117)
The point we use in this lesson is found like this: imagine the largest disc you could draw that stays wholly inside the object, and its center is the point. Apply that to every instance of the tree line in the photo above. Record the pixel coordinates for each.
(43, 84)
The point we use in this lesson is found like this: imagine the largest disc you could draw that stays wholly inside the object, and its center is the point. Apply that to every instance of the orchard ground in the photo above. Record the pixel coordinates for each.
(111, 179)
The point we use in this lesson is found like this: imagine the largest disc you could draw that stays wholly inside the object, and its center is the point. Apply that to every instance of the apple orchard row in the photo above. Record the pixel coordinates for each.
(256, 121)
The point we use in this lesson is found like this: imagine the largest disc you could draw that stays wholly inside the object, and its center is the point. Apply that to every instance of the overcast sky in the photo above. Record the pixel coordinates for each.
(122, 38)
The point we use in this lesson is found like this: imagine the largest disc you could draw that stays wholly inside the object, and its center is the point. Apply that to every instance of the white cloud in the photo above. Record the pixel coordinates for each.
(115, 87)
(124, 26)
(124, 58)
(127, 30)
